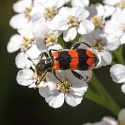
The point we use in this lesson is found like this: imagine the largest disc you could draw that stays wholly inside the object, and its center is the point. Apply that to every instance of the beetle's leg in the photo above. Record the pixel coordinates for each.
(44, 54)
(50, 51)
(76, 45)
(31, 61)
(77, 75)
(54, 73)
(39, 80)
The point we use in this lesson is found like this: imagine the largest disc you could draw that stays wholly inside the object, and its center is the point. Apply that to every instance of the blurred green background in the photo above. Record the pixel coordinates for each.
(23, 106)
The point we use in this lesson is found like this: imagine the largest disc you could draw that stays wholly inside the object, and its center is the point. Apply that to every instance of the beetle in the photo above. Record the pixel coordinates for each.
(73, 59)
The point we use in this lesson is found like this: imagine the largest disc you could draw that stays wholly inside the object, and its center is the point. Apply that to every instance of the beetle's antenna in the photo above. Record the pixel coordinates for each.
(31, 61)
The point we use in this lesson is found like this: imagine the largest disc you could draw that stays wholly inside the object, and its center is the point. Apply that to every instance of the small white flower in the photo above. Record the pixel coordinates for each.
(68, 88)
(80, 3)
(116, 25)
(22, 60)
(72, 22)
(23, 8)
(117, 72)
(28, 77)
(98, 13)
(49, 9)
(19, 42)
(45, 38)
(111, 121)
(25, 42)
(101, 42)
(119, 4)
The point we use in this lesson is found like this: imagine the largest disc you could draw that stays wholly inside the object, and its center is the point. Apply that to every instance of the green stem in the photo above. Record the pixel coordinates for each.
(113, 63)
(97, 99)
(119, 55)
(62, 42)
(101, 96)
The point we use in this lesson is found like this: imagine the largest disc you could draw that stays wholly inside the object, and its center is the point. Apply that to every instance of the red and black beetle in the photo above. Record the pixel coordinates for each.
(73, 59)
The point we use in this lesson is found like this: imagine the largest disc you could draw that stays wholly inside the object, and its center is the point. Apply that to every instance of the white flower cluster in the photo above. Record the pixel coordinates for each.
(107, 120)
(40, 24)
(116, 26)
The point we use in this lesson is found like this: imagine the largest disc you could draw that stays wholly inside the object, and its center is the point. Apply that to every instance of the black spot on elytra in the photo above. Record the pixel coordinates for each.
(64, 60)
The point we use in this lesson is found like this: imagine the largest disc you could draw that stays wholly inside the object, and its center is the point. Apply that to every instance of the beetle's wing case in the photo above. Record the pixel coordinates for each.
(77, 59)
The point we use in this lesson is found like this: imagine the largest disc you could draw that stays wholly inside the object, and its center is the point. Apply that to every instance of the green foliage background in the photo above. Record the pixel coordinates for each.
(22, 106)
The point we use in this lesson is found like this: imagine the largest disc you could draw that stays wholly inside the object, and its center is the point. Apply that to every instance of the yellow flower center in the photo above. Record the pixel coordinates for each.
(99, 45)
(50, 13)
(64, 85)
(98, 22)
(27, 13)
(121, 4)
(73, 22)
(27, 43)
(50, 39)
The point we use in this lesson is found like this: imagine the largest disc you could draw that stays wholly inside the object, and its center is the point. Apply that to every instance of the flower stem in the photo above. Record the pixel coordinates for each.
(98, 94)
(62, 42)
(119, 55)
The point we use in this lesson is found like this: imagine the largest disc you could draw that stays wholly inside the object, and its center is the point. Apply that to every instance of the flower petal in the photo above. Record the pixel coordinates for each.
(85, 27)
(113, 26)
(38, 18)
(40, 43)
(88, 124)
(25, 77)
(108, 121)
(58, 23)
(121, 116)
(22, 61)
(80, 3)
(72, 99)
(123, 87)
(96, 10)
(106, 58)
(40, 29)
(79, 13)
(26, 31)
(79, 87)
(60, 3)
(105, 121)
(55, 99)
(14, 43)
(33, 52)
(55, 46)
(70, 34)
(51, 79)
(113, 42)
(109, 10)
(18, 21)
(21, 5)
(110, 2)
(44, 91)
(117, 73)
